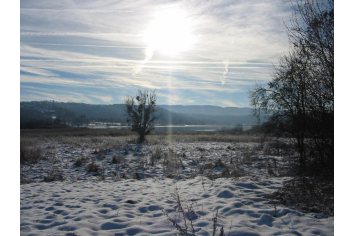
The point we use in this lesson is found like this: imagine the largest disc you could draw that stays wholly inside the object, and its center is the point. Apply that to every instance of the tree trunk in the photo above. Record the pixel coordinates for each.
(142, 137)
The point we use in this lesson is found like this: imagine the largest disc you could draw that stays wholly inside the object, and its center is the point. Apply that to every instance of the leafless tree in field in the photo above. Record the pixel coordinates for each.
(142, 112)
(301, 93)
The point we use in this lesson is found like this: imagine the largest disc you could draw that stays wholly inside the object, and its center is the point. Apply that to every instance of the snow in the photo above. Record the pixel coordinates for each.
(106, 204)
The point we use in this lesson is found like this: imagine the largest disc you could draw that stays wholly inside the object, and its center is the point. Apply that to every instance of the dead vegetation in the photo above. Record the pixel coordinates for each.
(309, 194)
(186, 217)
(55, 174)
(172, 164)
(80, 161)
(117, 159)
(30, 152)
(177, 156)
(93, 166)
(157, 154)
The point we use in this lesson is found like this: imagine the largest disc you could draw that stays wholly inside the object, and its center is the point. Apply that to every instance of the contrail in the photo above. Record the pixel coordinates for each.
(223, 78)
(148, 55)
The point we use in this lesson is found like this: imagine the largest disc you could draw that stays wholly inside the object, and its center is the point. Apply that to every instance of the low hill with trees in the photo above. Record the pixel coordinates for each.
(47, 114)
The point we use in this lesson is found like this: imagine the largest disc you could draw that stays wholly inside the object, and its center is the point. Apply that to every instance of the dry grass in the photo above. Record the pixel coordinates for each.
(96, 137)
(172, 164)
(187, 220)
(157, 154)
(189, 137)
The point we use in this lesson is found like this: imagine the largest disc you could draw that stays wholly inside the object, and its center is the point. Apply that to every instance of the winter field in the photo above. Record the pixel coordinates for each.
(189, 183)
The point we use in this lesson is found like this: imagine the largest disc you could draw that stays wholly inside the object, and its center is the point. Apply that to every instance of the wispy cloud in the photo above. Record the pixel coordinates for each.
(36, 71)
(105, 99)
(228, 103)
(223, 78)
(85, 45)
(36, 95)
(74, 10)
(100, 45)
(83, 34)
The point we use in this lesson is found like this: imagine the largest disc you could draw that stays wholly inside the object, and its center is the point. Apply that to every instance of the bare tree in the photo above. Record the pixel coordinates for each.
(311, 31)
(301, 93)
(142, 111)
(285, 100)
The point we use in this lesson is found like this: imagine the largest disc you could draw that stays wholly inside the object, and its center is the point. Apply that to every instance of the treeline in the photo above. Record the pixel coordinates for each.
(33, 119)
(47, 114)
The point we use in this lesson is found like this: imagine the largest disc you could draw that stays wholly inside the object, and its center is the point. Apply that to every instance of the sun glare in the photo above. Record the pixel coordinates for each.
(170, 32)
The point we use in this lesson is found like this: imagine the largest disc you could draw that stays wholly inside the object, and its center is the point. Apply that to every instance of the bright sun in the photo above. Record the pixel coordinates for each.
(170, 32)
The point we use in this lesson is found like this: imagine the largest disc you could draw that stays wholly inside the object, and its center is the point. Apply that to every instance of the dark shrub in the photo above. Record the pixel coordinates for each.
(117, 159)
(54, 174)
(79, 161)
(30, 153)
(93, 166)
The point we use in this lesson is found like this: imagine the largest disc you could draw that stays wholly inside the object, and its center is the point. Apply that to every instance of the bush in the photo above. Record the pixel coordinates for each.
(136, 176)
(236, 171)
(93, 166)
(219, 163)
(249, 155)
(157, 154)
(101, 156)
(30, 153)
(79, 161)
(117, 159)
(54, 174)
(309, 194)
(25, 177)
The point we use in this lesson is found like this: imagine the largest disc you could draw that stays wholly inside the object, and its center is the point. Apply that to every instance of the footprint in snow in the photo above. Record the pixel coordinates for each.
(225, 194)
(266, 220)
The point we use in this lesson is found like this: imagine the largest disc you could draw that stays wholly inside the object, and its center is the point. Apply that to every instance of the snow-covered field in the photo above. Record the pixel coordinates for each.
(139, 193)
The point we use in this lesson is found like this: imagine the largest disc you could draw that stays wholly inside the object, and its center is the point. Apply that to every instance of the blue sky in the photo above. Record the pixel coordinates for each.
(191, 52)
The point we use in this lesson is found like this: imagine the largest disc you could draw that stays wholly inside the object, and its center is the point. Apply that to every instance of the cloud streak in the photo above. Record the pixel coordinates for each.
(223, 78)
(100, 45)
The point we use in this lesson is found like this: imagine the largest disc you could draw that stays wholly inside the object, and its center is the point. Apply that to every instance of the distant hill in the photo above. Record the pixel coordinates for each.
(77, 113)
(208, 114)
(208, 110)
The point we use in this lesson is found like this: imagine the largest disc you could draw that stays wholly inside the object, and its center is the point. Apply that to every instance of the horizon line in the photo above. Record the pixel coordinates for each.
(108, 104)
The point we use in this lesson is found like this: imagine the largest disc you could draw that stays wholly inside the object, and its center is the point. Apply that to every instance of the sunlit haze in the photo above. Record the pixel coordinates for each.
(170, 32)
